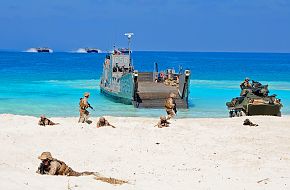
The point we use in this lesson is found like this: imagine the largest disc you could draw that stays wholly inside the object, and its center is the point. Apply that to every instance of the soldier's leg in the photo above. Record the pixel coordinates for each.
(170, 113)
(74, 173)
(82, 117)
(71, 172)
(86, 115)
(90, 173)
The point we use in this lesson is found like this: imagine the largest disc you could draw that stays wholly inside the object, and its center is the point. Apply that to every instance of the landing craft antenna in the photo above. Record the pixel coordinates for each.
(129, 36)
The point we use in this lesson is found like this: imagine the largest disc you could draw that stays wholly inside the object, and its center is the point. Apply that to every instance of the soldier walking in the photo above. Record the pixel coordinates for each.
(84, 105)
(170, 106)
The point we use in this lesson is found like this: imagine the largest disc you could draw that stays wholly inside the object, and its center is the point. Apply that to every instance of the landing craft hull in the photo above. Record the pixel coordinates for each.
(121, 83)
(92, 51)
(117, 97)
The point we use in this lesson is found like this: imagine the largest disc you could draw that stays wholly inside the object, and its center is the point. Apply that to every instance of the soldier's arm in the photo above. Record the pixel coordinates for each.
(108, 124)
(98, 124)
(40, 169)
(158, 124)
(40, 122)
(111, 125)
(54, 166)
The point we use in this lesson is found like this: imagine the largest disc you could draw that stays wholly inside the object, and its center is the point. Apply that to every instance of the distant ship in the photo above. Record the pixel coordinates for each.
(40, 50)
(122, 83)
(88, 50)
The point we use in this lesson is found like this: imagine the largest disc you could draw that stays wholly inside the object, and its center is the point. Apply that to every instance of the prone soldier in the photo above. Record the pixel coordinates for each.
(52, 166)
(163, 122)
(44, 121)
(103, 122)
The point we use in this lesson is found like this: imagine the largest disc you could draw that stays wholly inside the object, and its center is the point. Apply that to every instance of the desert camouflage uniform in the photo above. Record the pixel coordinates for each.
(84, 113)
(103, 122)
(163, 122)
(170, 106)
(44, 121)
(57, 167)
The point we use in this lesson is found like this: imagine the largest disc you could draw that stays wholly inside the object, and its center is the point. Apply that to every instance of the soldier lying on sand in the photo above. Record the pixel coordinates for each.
(44, 121)
(163, 122)
(52, 166)
(248, 122)
(103, 122)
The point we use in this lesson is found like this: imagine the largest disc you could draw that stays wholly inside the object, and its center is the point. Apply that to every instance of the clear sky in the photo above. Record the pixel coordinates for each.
(182, 25)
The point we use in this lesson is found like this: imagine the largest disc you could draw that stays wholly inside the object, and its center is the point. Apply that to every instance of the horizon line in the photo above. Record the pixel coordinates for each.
(173, 51)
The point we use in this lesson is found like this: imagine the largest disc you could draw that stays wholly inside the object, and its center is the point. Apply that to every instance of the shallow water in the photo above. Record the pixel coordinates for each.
(51, 84)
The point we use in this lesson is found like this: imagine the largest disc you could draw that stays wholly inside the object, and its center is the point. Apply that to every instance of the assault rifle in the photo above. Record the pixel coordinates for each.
(91, 107)
(41, 168)
(174, 108)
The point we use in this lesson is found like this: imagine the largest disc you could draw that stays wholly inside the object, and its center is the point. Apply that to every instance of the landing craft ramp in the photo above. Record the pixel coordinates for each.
(151, 94)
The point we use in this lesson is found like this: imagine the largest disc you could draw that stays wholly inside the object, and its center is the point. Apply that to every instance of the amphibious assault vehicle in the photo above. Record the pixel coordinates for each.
(255, 101)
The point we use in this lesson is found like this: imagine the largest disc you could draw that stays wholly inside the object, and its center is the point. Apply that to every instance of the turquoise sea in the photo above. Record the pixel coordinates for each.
(51, 84)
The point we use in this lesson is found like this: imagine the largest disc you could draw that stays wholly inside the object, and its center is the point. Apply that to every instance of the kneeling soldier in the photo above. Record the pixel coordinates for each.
(51, 166)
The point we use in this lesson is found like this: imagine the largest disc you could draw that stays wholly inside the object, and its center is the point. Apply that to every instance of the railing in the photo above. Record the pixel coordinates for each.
(184, 80)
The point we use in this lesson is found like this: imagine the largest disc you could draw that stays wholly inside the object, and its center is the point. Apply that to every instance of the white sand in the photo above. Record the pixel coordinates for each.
(191, 154)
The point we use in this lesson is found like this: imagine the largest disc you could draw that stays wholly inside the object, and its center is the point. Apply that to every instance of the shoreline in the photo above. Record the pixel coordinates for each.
(148, 117)
(193, 153)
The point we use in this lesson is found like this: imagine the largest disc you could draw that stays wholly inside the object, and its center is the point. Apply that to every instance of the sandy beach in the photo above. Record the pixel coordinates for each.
(191, 154)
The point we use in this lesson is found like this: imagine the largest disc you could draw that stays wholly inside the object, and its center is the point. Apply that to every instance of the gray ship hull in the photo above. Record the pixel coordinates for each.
(116, 97)
(121, 83)
(146, 93)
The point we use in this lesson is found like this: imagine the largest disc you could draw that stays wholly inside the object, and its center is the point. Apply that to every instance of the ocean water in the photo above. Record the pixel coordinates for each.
(51, 84)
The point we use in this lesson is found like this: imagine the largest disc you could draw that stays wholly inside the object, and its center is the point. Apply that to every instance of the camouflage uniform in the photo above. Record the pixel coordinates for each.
(57, 167)
(84, 105)
(44, 121)
(170, 106)
(103, 122)
(246, 84)
(163, 122)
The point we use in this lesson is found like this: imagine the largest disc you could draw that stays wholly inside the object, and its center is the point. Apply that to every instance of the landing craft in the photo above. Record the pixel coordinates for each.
(88, 50)
(40, 50)
(122, 83)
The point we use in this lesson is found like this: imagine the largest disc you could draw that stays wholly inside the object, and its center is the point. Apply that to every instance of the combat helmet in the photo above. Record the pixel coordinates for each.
(102, 119)
(86, 94)
(162, 118)
(45, 155)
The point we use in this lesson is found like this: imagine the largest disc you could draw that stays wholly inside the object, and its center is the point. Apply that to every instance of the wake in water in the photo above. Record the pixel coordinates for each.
(87, 50)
